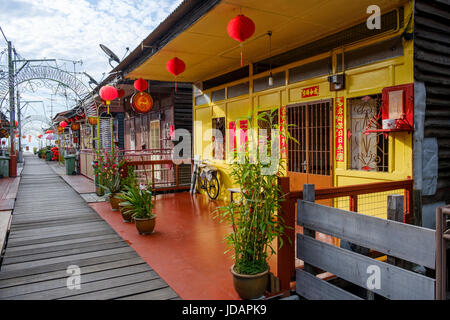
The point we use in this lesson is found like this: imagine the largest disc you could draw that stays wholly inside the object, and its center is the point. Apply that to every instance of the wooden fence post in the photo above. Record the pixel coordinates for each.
(308, 195)
(395, 212)
(286, 254)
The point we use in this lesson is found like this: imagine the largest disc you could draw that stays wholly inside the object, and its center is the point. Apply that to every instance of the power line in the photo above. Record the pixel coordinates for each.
(4, 35)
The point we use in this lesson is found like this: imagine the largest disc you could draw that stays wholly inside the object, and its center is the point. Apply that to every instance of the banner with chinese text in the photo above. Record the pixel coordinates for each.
(339, 127)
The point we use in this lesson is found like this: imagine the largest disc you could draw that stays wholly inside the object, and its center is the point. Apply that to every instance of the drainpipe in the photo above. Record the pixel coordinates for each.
(420, 104)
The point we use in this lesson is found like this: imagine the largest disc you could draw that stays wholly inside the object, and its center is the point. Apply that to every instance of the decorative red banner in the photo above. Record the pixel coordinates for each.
(339, 127)
(283, 142)
(310, 92)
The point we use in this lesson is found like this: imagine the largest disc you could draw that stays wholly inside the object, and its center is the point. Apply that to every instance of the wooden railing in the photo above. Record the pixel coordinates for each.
(389, 279)
(286, 254)
(442, 242)
(164, 183)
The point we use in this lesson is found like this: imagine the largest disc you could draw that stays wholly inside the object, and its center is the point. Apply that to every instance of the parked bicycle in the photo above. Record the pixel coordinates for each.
(207, 179)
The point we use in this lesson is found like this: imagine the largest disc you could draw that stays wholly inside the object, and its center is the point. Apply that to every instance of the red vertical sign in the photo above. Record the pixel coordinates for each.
(243, 125)
(232, 136)
(339, 129)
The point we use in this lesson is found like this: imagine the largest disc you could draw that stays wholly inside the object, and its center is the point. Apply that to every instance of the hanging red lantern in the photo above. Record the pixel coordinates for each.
(176, 67)
(48, 131)
(24, 137)
(108, 93)
(93, 120)
(240, 28)
(63, 124)
(75, 126)
(141, 84)
(16, 124)
(121, 93)
(142, 102)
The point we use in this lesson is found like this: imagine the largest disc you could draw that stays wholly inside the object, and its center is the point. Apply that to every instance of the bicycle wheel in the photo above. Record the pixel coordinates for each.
(201, 184)
(213, 188)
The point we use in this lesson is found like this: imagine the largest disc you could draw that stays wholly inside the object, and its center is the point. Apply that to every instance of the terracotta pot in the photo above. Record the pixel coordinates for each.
(145, 226)
(127, 212)
(250, 286)
(114, 201)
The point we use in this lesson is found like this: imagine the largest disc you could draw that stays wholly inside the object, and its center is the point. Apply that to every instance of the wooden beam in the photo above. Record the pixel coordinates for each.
(395, 283)
(313, 288)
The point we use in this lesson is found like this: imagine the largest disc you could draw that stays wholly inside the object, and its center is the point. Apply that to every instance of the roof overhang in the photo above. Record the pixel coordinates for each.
(208, 51)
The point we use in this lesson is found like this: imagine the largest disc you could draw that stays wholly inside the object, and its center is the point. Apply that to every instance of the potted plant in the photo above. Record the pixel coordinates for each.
(125, 207)
(254, 217)
(112, 187)
(140, 199)
(109, 175)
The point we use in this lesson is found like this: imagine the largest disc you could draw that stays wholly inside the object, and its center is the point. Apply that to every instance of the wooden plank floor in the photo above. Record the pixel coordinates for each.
(53, 228)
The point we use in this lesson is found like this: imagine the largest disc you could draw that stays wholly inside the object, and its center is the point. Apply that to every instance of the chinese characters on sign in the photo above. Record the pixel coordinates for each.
(339, 127)
(310, 92)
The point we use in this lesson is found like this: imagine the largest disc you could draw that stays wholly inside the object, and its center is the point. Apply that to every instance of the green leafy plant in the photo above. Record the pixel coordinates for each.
(140, 199)
(255, 218)
(108, 169)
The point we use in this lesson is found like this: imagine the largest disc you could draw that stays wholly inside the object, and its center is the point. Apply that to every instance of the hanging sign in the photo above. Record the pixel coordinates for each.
(339, 127)
(310, 92)
(142, 102)
(283, 142)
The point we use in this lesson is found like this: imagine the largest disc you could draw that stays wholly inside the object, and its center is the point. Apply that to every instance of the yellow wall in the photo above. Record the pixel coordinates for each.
(366, 80)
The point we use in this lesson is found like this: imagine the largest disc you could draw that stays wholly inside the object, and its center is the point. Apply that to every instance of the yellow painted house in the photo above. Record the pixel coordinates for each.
(327, 66)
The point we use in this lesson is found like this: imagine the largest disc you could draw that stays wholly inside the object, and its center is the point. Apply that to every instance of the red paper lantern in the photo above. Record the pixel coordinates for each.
(121, 93)
(16, 123)
(75, 126)
(63, 124)
(108, 93)
(240, 28)
(48, 131)
(141, 85)
(176, 67)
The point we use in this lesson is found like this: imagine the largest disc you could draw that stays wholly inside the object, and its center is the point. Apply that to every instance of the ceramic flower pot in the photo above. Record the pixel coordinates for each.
(145, 226)
(250, 286)
(126, 211)
(114, 201)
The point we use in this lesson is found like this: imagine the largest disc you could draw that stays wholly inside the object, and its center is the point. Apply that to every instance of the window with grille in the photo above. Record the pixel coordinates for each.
(311, 126)
(366, 152)
(218, 138)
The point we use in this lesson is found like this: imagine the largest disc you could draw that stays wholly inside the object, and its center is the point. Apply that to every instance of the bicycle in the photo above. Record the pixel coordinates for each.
(207, 180)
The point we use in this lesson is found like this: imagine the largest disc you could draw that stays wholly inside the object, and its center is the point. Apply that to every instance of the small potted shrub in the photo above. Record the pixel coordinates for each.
(254, 217)
(125, 207)
(140, 199)
(112, 187)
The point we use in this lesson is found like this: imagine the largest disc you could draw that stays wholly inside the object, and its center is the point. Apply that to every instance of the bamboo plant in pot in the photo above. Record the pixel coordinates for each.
(254, 217)
(140, 200)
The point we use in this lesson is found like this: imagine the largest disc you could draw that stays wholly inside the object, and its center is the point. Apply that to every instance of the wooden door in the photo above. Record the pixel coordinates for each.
(310, 161)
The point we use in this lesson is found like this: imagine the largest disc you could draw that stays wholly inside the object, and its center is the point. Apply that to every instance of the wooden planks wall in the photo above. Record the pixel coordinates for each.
(432, 66)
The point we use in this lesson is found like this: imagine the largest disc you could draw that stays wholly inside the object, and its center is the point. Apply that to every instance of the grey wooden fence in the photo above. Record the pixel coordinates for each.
(395, 239)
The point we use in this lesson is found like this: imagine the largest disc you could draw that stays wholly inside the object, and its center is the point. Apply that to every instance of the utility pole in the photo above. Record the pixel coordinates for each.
(19, 124)
(12, 154)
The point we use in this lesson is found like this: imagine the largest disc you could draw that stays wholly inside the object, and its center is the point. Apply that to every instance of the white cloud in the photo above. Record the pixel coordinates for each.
(73, 29)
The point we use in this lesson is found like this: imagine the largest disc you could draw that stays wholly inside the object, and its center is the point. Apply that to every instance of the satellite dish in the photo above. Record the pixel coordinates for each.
(112, 56)
(91, 80)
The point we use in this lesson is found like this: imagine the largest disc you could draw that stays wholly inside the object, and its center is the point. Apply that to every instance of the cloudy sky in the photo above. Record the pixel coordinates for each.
(73, 30)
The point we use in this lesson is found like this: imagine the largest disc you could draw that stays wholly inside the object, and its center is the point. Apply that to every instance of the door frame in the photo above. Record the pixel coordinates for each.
(307, 177)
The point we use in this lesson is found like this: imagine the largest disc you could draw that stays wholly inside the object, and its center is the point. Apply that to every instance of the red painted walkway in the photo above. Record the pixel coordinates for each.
(187, 247)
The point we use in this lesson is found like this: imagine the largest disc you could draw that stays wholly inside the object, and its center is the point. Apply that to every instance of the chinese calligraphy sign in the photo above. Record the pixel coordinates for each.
(339, 127)
(310, 92)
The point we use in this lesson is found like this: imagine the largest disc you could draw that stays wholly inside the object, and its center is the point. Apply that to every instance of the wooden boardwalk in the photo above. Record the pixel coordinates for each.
(54, 228)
